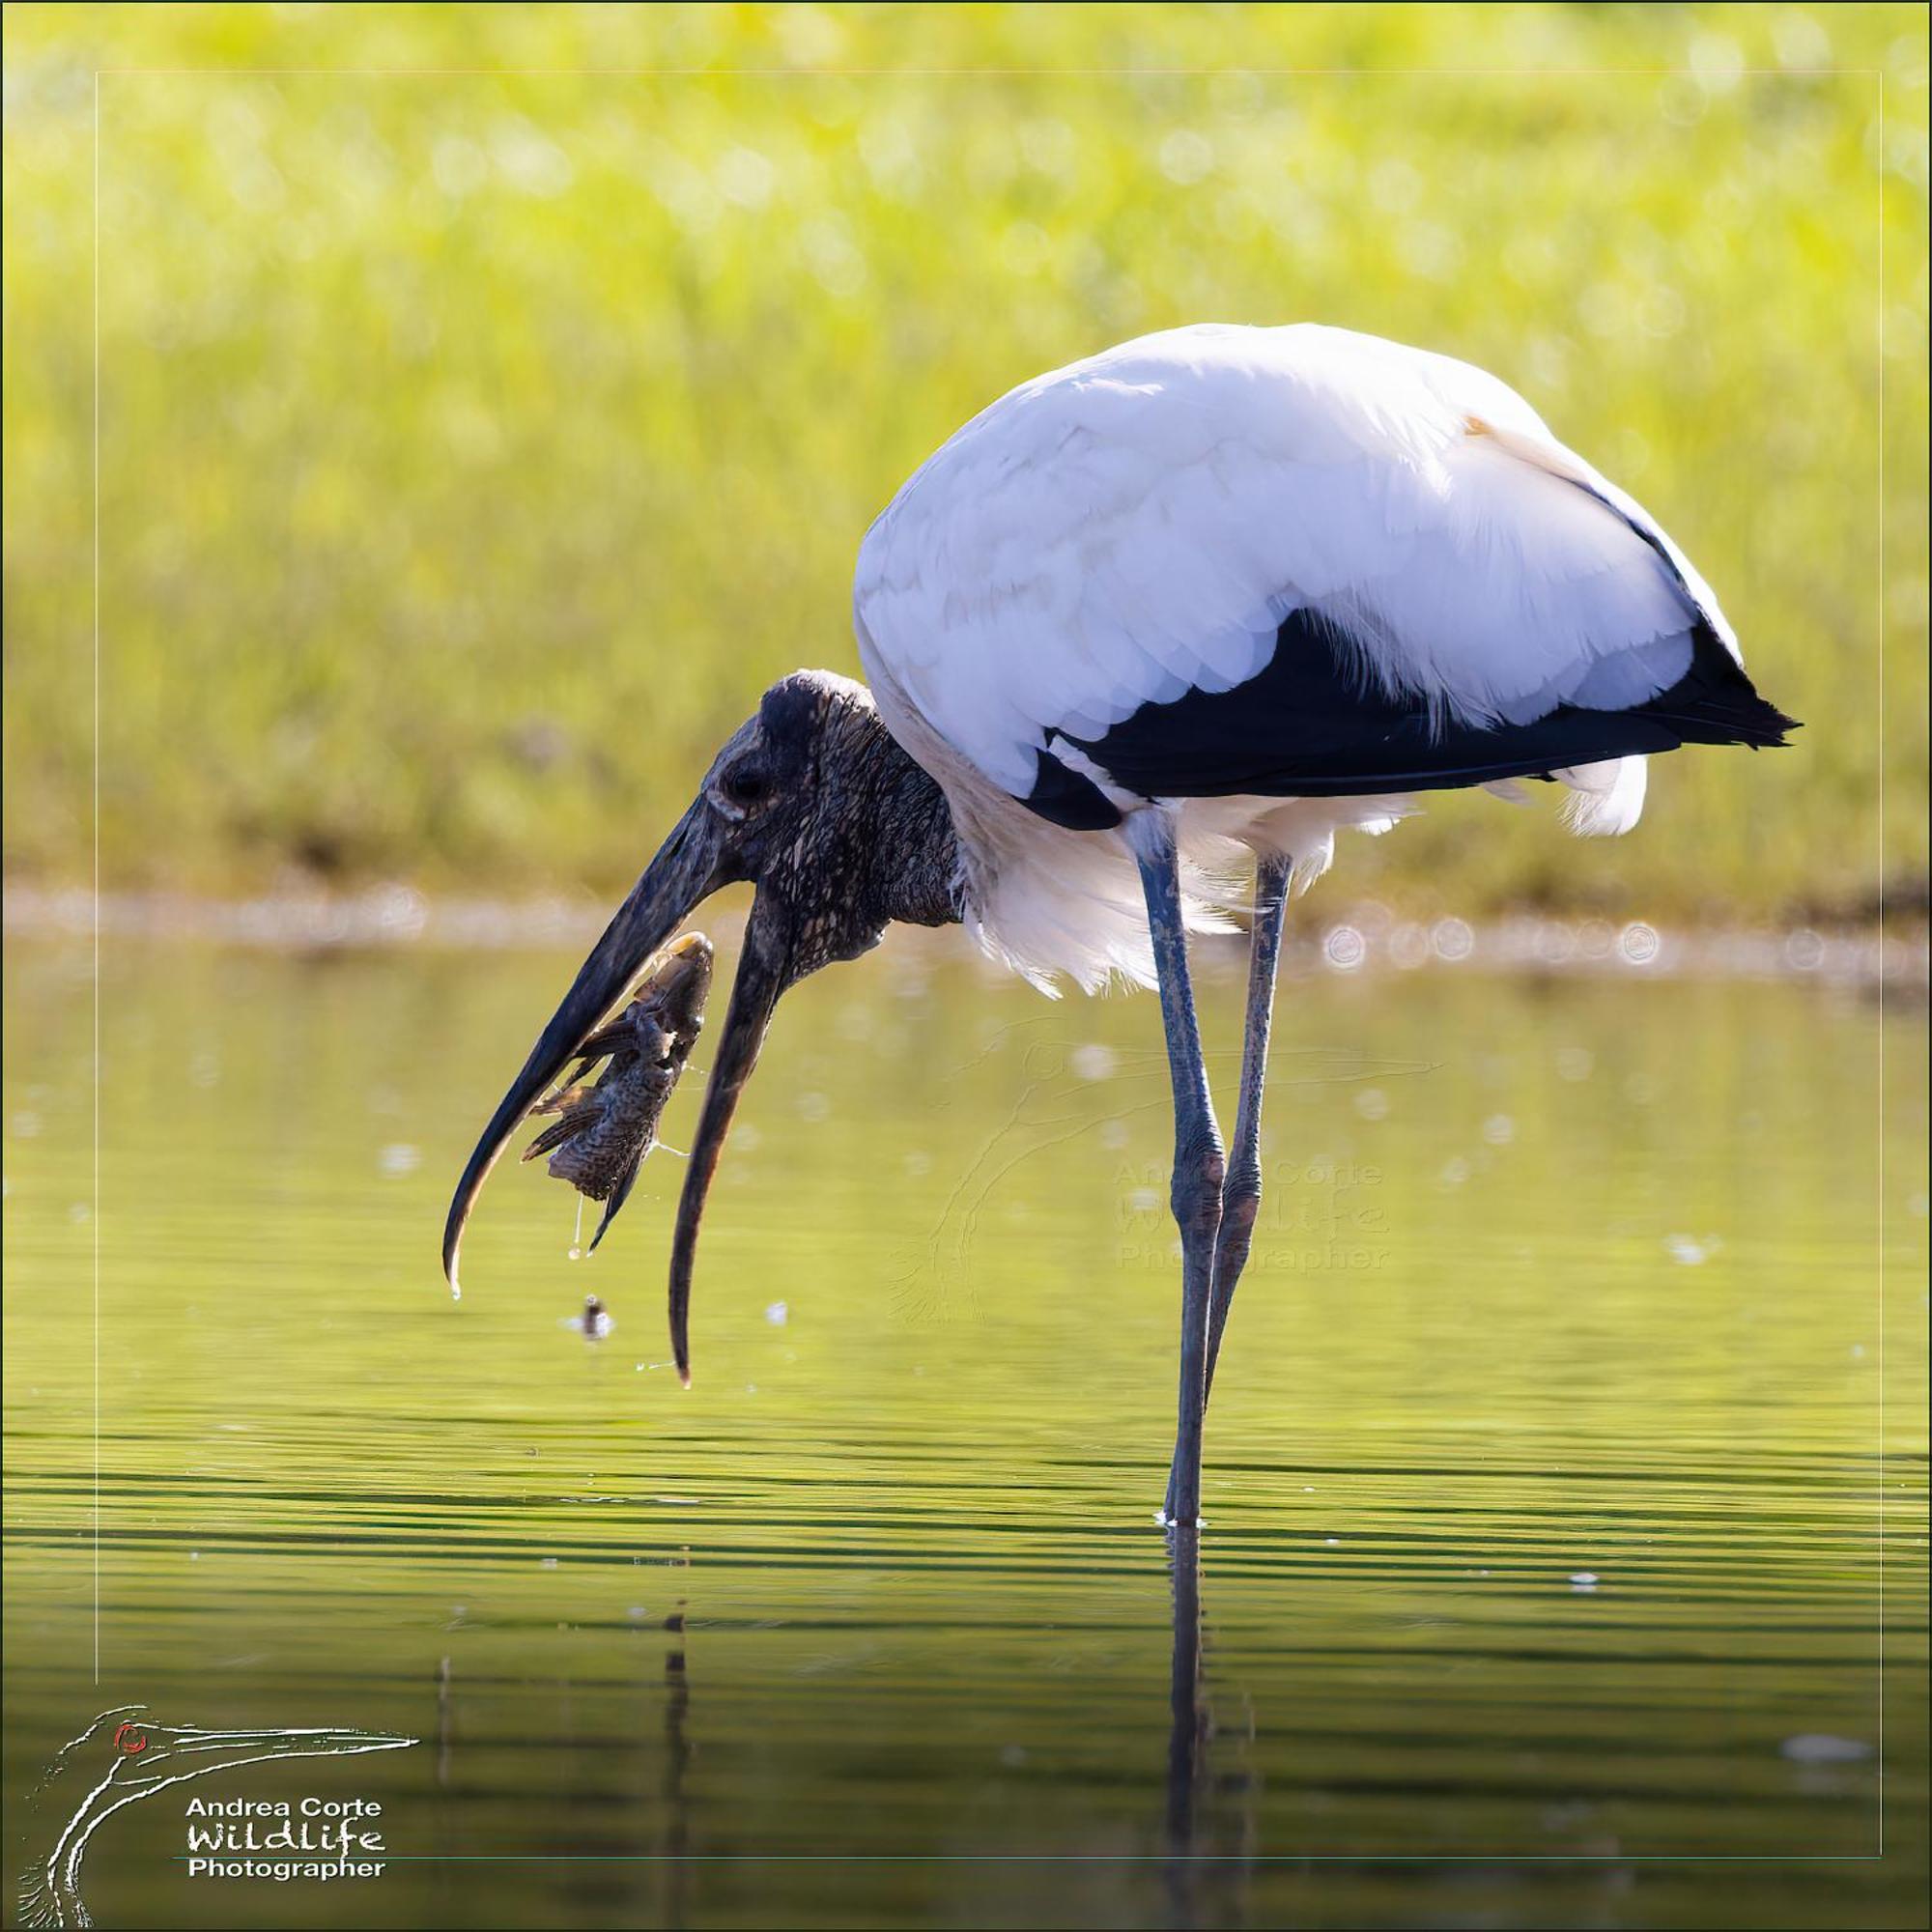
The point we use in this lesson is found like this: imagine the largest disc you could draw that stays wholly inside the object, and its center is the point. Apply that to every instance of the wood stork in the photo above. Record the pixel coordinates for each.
(1217, 588)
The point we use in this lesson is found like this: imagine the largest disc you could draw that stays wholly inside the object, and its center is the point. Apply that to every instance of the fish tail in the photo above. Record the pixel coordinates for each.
(619, 1194)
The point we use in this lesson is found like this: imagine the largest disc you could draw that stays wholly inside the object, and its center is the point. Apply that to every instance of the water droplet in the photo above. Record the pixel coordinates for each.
(1345, 947)
(1639, 943)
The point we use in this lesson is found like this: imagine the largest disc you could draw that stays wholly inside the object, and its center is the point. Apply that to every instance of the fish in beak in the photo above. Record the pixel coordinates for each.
(690, 865)
(813, 803)
(603, 1133)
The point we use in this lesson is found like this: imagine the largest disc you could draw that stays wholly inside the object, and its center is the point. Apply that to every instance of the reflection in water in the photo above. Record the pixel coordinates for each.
(1192, 1723)
(1555, 1280)
(1215, 1859)
(675, 1846)
(667, 1852)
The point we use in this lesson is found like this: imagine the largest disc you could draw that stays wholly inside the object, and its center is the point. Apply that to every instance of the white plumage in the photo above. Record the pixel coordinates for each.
(1137, 526)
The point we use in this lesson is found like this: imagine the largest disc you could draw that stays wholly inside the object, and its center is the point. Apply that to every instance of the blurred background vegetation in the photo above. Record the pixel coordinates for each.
(492, 398)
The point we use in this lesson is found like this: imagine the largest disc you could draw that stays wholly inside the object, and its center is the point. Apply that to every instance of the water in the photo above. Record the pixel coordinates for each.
(1543, 1484)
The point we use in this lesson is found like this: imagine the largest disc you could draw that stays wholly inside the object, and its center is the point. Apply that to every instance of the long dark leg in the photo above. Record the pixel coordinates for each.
(1241, 1193)
(1199, 1166)
(1242, 1196)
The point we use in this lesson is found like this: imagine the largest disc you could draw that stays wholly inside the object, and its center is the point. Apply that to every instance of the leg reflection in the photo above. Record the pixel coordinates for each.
(444, 1722)
(676, 1866)
(1209, 1855)
(1189, 1724)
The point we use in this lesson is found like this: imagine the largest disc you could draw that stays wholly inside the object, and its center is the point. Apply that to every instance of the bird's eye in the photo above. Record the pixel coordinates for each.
(746, 785)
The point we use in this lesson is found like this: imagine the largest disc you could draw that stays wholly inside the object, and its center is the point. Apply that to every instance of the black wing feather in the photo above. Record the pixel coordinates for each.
(1308, 725)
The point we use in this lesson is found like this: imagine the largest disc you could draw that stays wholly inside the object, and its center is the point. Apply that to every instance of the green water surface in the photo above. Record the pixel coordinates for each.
(1545, 1477)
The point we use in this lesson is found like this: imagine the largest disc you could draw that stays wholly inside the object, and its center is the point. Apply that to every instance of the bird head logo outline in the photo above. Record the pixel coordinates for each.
(123, 1757)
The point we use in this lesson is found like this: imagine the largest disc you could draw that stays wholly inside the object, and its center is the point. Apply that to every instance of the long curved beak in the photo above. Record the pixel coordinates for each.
(764, 970)
(689, 866)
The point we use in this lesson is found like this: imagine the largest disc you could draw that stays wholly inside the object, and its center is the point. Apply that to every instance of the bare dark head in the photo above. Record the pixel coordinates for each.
(814, 803)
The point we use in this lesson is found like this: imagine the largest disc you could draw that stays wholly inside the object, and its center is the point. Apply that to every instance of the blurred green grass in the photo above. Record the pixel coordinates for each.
(480, 435)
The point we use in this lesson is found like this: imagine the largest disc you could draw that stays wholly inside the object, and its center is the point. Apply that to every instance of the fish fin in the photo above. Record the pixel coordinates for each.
(565, 1096)
(619, 1037)
(558, 1132)
(619, 1194)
